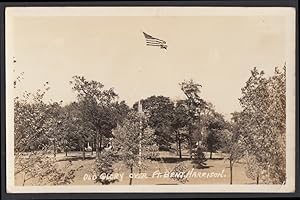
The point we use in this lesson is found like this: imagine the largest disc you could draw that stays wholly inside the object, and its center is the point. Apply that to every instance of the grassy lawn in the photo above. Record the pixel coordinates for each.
(216, 166)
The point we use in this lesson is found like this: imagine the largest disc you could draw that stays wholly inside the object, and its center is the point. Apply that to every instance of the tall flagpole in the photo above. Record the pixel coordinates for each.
(140, 111)
(156, 42)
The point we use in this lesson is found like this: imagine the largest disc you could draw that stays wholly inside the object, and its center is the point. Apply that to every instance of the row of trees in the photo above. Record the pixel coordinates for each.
(97, 117)
(257, 133)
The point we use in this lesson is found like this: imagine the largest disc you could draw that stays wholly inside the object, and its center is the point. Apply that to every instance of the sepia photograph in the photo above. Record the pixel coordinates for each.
(156, 99)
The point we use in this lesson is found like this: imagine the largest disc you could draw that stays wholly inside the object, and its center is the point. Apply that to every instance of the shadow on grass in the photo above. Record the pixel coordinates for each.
(178, 160)
(202, 167)
(75, 158)
(169, 159)
(215, 158)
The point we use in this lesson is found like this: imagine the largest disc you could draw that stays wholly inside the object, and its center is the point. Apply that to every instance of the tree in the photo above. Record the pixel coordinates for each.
(159, 111)
(127, 138)
(104, 165)
(179, 124)
(195, 105)
(96, 107)
(35, 125)
(277, 112)
(231, 142)
(214, 124)
(263, 119)
(70, 135)
(73, 131)
(256, 134)
(200, 158)
(30, 119)
(122, 110)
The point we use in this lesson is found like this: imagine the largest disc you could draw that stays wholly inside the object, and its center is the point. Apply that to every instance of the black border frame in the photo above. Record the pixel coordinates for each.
(215, 3)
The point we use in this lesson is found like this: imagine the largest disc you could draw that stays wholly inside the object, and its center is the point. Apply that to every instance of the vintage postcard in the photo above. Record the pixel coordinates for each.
(150, 99)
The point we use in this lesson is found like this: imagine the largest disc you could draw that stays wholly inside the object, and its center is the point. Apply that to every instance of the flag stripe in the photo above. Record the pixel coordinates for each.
(153, 42)
(158, 45)
(155, 39)
(149, 37)
(158, 42)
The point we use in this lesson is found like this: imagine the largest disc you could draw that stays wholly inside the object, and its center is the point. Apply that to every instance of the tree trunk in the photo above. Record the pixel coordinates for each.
(190, 150)
(190, 145)
(257, 179)
(54, 149)
(179, 148)
(210, 155)
(92, 146)
(24, 178)
(131, 172)
(100, 145)
(177, 143)
(83, 151)
(231, 166)
(97, 144)
(66, 151)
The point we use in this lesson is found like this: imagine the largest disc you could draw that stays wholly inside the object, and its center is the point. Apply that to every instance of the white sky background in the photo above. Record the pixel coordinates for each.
(217, 52)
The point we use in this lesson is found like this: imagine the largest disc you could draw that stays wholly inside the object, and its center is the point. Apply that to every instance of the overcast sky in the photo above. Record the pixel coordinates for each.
(217, 52)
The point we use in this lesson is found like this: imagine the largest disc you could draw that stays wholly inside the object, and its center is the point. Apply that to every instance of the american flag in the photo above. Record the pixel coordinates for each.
(152, 41)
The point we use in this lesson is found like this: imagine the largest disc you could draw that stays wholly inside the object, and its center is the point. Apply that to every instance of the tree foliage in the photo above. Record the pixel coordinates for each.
(134, 141)
(195, 105)
(159, 111)
(214, 125)
(35, 132)
(263, 119)
(97, 108)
